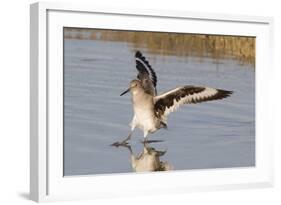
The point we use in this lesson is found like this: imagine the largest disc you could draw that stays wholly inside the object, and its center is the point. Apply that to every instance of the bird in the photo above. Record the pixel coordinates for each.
(150, 109)
(148, 160)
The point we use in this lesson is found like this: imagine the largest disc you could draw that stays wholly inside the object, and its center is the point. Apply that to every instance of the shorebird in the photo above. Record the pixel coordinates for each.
(148, 160)
(151, 110)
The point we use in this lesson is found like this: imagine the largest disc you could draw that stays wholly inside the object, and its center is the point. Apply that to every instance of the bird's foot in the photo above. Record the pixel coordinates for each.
(122, 143)
(151, 141)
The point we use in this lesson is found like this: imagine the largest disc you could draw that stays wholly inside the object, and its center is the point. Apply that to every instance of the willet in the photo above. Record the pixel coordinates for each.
(151, 110)
(148, 160)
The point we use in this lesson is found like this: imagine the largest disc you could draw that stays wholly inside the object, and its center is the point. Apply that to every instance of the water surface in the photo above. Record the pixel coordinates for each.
(217, 134)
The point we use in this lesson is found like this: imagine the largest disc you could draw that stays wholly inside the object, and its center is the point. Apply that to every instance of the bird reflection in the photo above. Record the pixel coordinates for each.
(148, 160)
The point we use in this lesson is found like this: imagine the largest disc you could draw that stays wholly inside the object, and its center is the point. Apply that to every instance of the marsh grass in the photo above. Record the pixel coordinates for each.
(218, 47)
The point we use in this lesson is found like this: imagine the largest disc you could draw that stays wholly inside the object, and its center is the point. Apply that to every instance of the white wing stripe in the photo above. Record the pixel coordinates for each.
(208, 92)
(166, 93)
(146, 67)
(143, 63)
(164, 106)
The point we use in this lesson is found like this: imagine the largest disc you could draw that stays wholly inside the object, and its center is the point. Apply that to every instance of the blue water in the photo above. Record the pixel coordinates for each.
(217, 134)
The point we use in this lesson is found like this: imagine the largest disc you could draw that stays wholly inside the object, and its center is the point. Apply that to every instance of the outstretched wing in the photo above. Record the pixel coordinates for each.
(170, 101)
(146, 74)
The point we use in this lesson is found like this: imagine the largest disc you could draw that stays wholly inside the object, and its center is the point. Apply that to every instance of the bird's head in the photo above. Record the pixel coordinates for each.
(134, 85)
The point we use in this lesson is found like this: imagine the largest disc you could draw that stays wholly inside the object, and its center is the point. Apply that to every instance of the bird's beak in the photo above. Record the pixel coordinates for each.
(125, 92)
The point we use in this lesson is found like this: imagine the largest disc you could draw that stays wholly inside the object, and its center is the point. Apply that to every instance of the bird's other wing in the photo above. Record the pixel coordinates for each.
(146, 74)
(170, 101)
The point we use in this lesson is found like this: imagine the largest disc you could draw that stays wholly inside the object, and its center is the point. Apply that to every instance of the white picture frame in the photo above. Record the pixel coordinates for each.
(46, 177)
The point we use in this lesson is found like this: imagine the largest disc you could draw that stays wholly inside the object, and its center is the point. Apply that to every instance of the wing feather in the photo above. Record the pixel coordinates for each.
(170, 101)
(146, 74)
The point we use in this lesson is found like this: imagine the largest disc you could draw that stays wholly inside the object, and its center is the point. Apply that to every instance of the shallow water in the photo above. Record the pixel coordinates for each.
(217, 134)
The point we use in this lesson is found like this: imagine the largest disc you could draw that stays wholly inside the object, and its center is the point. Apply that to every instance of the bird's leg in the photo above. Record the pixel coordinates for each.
(163, 125)
(145, 133)
(129, 148)
(146, 141)
(127, 138)
(130, 135)
(124, 142)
